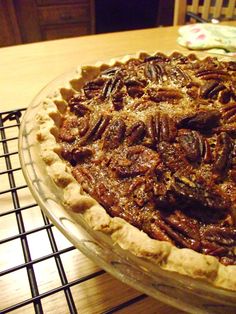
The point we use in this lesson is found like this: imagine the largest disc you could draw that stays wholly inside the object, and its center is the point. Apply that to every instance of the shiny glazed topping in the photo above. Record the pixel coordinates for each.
(153, 141)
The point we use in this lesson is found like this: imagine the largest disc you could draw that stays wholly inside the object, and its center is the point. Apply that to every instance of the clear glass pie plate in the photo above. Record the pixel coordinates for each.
(193, 296)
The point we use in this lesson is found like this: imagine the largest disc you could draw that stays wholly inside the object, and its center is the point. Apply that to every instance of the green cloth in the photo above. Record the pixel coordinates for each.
(211, 37)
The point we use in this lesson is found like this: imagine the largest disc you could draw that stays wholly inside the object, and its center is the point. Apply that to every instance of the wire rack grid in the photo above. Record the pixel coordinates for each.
(26, 282)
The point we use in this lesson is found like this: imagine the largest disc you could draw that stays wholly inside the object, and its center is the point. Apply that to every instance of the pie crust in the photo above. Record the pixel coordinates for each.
(181, 260)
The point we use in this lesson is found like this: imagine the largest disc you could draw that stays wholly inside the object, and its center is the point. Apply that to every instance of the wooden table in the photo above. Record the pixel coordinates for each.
(25, 70)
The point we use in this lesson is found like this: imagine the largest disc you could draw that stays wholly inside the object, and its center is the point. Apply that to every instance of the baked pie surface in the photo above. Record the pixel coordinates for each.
(152, 140)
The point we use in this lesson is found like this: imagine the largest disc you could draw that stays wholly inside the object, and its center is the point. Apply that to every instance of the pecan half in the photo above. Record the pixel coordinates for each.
(75, 155)
(211, 89)
(136, 133)
(105, 196)
(84, 176)
(117, 100)
(178, 76)
(102, 127)
(96, 128)
(93, 88)
(223, 152)
(136, 160)
(228, 128)
(201, 120)
(183, 230)
(172, 156)
(151, 129)
(212, 248)
(193, 89)
(155, 72)
(155, 231)
(134, 88)
(84, 125)
(111, 86)
(176, 236)
(114, 134)
(166, 128)
(69, 129)
(77, 105)
(161, 127)
(213, 74)
(191, 142)
(221, 235)
(225, 96)
(219, 241)
(186, 225)
(196, 147)
(188, 192)
(164, 94)
(229, 113)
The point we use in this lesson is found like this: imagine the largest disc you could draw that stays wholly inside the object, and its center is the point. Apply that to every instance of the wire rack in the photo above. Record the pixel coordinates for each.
(18, 225)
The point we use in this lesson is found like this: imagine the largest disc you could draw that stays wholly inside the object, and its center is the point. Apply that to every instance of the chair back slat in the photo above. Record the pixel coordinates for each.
(217, 8)
(206, 9)
(194, 7)
(231, 8)
(180, 12)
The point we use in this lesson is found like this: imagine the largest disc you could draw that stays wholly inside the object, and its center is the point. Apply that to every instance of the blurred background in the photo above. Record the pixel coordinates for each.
(26, 21)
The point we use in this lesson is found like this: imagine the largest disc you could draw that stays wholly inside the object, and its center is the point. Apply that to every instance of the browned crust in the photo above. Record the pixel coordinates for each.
(183, 261)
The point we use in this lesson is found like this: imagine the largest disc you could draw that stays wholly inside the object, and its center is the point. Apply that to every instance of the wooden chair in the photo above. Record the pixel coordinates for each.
(205, 10)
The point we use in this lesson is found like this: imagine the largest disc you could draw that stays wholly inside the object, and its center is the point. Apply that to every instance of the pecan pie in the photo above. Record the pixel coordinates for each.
(145, 149)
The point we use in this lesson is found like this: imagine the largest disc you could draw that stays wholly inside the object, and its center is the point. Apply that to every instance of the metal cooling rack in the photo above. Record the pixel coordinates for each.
(10, 121)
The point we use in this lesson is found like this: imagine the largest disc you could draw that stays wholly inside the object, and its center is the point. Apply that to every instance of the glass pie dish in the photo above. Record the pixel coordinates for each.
(180, 291)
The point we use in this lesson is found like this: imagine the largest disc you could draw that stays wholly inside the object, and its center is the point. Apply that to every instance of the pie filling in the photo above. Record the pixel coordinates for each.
(154, 142)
